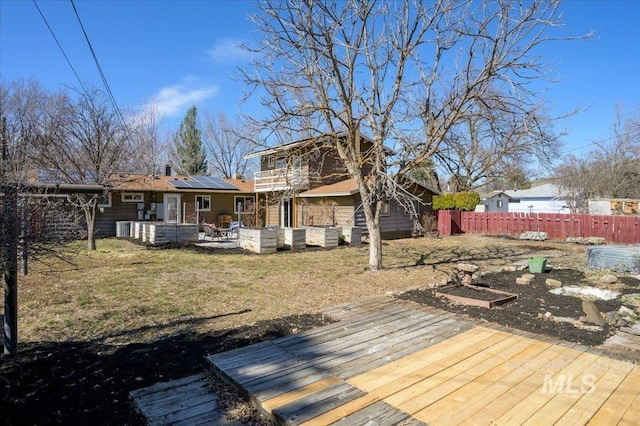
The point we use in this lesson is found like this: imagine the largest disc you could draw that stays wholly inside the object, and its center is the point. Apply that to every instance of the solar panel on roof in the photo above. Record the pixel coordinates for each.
(202, 182)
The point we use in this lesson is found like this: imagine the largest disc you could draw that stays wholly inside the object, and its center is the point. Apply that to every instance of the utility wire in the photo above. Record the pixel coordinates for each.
(102, 76)
(60, 46)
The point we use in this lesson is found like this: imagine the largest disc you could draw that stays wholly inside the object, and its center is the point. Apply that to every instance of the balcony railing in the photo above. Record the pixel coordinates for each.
(295, 178)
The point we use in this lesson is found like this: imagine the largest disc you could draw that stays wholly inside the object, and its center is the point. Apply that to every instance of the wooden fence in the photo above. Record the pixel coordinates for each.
(617, 229)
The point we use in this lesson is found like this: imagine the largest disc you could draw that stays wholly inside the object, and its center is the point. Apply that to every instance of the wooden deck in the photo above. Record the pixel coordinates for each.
(186, 401)
(392, 361)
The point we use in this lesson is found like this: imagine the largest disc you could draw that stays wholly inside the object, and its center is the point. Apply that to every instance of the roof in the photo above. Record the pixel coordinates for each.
(342, 189)
(137, 182)
(299, 143)
(339, 189)
(547, 190)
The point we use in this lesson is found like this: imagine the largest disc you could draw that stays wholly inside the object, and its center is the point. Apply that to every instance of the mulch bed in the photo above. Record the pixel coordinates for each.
(533, 299)
(89, 383)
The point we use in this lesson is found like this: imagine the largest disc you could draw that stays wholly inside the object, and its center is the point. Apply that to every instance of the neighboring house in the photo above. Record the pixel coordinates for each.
(175, 199)
(615, 206)
(538, 199)
(304, 183)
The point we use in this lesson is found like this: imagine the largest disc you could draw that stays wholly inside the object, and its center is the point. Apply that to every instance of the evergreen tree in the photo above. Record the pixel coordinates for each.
(188, 156)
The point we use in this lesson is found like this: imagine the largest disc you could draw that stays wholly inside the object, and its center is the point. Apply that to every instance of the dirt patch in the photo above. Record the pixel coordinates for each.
(89, 383)
(535, 307)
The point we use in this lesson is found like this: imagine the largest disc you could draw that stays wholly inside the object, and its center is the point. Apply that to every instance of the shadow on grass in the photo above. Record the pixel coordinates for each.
(165, 326)
(88, 382)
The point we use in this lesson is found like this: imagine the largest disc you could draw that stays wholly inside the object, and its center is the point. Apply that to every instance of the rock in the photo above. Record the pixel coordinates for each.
(610, 315)
(467, 267)
(534, 235)
(621, 323)
(528, 276)
(523, 281)
(608, 279)
(511, 268)
(582, 319)
(631, 299)
(592, 313)
(553, 283)
(540, 315)
(592, 241)
(548, 315)
(626, 312)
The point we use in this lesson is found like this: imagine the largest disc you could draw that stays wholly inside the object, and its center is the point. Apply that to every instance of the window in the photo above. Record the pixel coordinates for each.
(203, 202)
(132, 197)
(104, 200)
(281, 163)
(245, 203)
(499, 203)
(271, 161)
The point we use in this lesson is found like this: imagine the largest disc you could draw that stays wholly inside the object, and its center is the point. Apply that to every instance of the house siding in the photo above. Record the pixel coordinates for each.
(222, 204)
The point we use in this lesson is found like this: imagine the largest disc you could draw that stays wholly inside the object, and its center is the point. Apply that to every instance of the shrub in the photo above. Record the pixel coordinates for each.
(459, 201)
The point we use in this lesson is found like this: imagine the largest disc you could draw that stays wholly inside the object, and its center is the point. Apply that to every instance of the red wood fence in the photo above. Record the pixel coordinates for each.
(618, 229)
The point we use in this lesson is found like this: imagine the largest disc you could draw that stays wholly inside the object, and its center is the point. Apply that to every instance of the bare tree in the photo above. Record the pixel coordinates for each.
(226, 146)
(405, 73)
(488, 145)
(611, 170)
(150, 141)
(84, 141)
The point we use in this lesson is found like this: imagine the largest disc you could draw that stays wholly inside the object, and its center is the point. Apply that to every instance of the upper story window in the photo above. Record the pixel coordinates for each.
(271, 161)
(281, 163)
(499, 203)
(132, 197)
(203, 202)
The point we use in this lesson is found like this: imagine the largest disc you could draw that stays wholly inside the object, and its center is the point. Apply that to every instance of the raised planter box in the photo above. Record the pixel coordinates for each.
(261, 241)
(324, 237)
(295, 238)
(162, 233)
(351, 235)
(495, 297)
(136, 230)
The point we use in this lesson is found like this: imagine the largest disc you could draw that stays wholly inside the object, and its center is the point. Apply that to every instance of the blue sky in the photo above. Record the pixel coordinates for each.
(181, 53)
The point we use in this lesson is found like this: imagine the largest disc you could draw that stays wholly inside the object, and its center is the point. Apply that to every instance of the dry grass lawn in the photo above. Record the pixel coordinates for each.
(125, 293)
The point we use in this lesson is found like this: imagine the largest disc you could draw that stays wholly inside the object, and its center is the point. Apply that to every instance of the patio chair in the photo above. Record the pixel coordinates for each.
(235, 226)
(211, 230)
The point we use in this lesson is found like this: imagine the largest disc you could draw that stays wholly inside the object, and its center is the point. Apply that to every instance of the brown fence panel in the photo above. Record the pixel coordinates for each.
(444, 223)
(618, 229)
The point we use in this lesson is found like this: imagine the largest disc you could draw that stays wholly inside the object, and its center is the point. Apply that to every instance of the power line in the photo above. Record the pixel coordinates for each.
(60, 46)
(95, 59)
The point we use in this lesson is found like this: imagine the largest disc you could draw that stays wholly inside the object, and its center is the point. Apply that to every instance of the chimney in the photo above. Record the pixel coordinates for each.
(167, 170)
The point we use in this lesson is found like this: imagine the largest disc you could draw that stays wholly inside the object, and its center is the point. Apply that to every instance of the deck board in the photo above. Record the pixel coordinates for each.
(186, 401)
(387, 361)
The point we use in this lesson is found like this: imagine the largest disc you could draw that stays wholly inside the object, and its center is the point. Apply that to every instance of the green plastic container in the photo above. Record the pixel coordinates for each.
(537, 264)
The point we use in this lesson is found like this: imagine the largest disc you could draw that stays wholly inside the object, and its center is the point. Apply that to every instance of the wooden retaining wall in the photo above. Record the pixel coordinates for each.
(162, 233)
(261, 241)
(351, 235)
(291, 239)
(324, 237)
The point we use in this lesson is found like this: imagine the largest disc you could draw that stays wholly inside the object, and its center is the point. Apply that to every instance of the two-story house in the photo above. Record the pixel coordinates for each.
(305, 183)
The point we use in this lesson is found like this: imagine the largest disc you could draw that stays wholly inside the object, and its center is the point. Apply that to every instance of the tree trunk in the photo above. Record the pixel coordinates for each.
(375, 245)
(90, 216)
